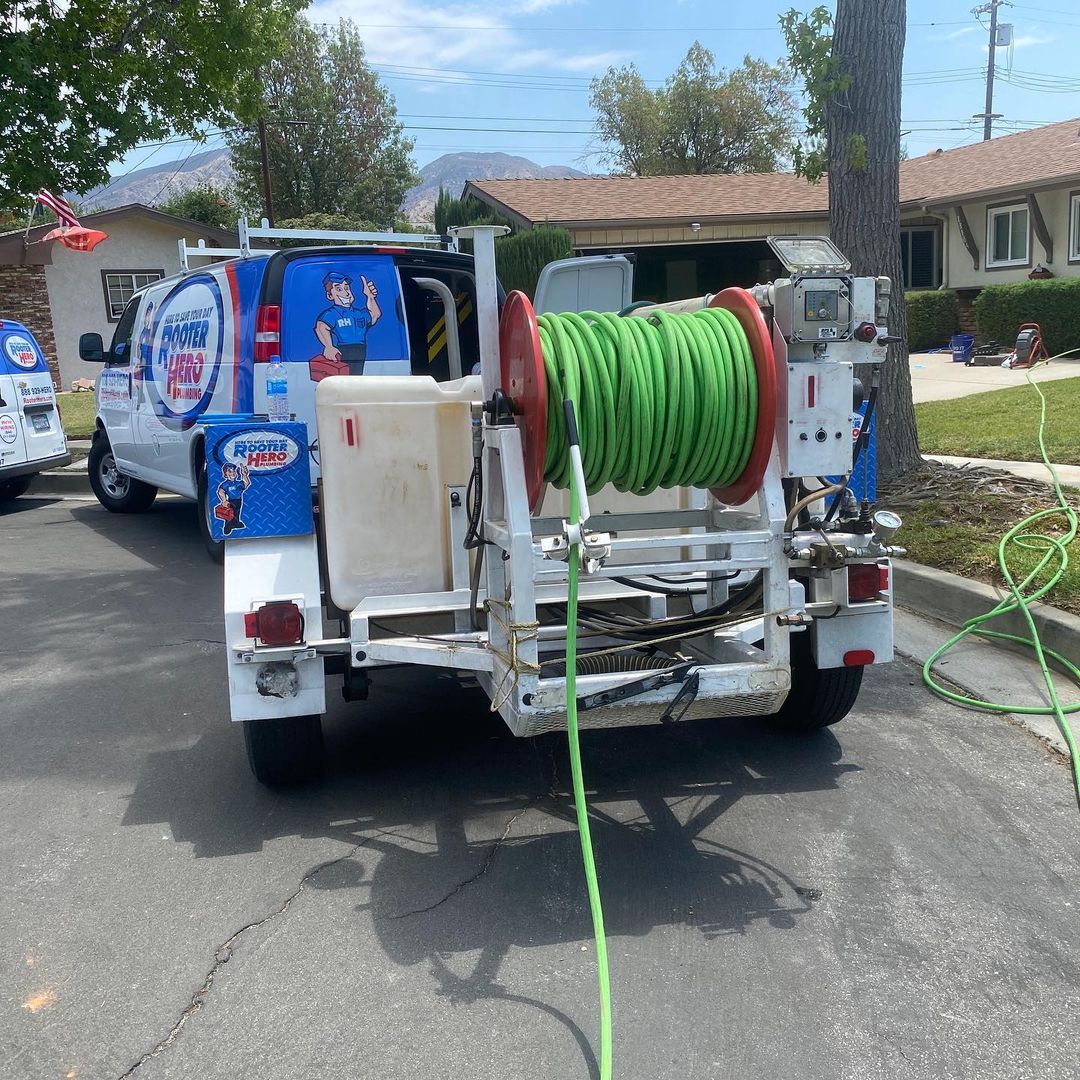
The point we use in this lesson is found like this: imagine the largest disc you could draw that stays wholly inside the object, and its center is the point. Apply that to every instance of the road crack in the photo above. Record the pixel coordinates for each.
(223, 954)
(489, 858)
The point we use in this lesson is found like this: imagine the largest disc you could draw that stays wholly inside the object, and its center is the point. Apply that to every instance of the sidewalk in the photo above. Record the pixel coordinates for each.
(1029, 470)
(934, 376)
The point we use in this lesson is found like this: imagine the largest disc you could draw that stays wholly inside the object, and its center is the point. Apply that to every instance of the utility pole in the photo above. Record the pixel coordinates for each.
(268, 193)
(988, 109)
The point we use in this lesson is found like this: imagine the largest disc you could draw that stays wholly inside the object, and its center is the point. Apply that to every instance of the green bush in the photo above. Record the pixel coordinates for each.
(932, 318)
(1054, 305)
(520, 258)
(471, 211)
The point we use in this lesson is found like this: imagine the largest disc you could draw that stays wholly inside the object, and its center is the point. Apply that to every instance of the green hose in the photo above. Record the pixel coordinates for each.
(581, 806)
(1054, 548)
(666, 401)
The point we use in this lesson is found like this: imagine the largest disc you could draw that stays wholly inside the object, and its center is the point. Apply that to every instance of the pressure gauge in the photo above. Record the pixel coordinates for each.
(886, 525)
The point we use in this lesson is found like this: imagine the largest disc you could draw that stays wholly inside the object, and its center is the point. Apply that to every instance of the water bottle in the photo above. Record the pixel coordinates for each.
(277, 391)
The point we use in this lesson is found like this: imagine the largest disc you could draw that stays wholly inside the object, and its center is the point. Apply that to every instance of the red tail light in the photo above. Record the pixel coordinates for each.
(865, 581)
(267, 333)
(858, 657)
(278, 623)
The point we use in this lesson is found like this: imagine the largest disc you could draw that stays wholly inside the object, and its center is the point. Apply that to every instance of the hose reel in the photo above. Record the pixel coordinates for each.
(671, 400)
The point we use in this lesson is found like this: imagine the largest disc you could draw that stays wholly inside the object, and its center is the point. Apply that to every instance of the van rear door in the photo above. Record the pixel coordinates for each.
(587, 283)
(30, 427)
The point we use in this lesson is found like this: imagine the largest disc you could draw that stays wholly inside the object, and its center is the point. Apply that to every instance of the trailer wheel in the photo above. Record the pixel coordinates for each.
(116, 491)
(214, 548)
(819, 697)
(12, 489)
(284, 750)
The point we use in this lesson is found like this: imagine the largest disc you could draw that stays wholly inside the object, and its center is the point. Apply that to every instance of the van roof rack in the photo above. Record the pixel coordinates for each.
(263, 231)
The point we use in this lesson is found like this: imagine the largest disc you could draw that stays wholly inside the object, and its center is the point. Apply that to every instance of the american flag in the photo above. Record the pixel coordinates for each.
(60, 207)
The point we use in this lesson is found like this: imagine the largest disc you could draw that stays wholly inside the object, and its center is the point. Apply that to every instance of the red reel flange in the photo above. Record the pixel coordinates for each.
(525, 383)
(745, 308)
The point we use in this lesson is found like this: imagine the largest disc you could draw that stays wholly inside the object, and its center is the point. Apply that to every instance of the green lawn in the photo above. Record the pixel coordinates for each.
(1004, 424)
(77, 412)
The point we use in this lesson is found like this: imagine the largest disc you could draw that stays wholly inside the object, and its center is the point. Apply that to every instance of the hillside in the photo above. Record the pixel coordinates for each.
(451, 171)
(156, 183)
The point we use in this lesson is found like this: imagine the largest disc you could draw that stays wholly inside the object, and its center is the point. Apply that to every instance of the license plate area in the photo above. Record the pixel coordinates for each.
(40, 422)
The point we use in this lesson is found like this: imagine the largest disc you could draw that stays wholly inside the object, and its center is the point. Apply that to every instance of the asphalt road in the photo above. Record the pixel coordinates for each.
(897, 899)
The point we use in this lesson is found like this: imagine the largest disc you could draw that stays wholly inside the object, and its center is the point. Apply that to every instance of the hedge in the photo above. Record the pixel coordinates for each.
(1054, 305)
(932, 318)
(520, 258)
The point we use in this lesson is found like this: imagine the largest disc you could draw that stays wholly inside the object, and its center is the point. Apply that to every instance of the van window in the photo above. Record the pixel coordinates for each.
(120, 350)
(427, 325)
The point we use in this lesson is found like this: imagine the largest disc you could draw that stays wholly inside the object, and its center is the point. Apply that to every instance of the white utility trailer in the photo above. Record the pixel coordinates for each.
(438, 543)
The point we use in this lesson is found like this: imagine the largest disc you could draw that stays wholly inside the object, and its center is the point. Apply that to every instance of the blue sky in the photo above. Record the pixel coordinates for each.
(513, 75)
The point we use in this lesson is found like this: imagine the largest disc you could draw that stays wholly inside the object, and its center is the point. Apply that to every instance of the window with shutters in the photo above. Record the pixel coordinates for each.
(1007, 239)
(919, 255)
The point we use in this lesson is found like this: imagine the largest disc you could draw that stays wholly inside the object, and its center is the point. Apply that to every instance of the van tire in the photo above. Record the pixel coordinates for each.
(819, 697)
(214, 548)
(117, 492)
(284, 750)
(12, 489)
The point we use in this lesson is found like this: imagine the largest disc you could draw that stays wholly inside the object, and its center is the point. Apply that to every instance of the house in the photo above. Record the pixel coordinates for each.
(977, 215)
(60, 294)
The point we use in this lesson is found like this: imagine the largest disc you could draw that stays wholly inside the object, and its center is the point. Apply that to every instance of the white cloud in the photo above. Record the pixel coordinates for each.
(1026, 40)
(962, 32)
(412, 32)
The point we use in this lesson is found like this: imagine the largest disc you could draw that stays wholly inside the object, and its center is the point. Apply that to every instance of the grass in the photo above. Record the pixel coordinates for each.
(958, 529)
(77, 413)
(1004, 424)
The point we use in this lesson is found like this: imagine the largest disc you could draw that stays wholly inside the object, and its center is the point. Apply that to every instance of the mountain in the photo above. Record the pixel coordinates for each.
(451, 171)
(154, 184)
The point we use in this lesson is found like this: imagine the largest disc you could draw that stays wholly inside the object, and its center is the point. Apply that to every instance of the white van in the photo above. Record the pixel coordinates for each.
(198, 344)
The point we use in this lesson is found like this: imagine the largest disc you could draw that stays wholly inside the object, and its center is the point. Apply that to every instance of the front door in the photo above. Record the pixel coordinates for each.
(117, 394)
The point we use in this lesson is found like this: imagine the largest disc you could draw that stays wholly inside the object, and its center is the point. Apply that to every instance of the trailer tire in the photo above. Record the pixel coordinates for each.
(819, 697)
(214, 548)
(116, 491)
(284, 750)
(12, 489)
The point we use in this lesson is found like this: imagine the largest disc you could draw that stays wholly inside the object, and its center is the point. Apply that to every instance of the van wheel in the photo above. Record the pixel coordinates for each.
(116, 491)
(284, 750)
(214, 548)
(819, 697)
(12, 489)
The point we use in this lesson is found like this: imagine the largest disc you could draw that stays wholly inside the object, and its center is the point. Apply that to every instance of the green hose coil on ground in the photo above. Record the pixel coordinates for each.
(664, 401)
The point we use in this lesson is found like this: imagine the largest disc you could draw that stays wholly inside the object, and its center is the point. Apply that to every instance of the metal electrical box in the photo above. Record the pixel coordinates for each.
(814, 418)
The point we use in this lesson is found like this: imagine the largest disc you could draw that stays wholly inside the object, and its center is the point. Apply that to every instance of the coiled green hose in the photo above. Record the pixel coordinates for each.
(664, 401)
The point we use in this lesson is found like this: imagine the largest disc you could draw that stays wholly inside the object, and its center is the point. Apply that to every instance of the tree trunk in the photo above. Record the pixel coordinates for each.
(864, 198)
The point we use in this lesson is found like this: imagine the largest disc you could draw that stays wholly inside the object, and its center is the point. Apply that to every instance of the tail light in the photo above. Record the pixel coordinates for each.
(267, 333)
(858, 657)
(280, 622)
(865, 581)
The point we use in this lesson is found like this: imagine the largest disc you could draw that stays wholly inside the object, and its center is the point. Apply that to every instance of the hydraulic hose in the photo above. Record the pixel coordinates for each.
(1024, 535)
(665, 401)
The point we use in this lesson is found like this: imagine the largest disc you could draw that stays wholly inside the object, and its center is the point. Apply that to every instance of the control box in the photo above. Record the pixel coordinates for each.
(814, 417)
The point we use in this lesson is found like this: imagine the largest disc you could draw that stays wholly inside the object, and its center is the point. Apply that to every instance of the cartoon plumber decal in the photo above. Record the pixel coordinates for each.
(342, 328)
(230, 492)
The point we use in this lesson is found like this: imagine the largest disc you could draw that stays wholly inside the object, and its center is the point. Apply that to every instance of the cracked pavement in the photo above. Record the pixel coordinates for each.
(895, 899)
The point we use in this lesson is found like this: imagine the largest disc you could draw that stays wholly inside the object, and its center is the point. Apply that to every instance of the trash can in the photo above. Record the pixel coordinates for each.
(961, 346)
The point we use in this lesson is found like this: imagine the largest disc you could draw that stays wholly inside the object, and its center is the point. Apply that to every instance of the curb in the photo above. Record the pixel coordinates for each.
(72, 480)
(954, 599)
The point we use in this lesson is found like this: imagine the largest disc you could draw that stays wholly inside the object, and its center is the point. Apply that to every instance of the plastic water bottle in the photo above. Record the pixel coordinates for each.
(277, 391)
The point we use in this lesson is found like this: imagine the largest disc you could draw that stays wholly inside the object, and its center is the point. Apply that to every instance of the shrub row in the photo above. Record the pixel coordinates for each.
(1054, 305)
(932, 318)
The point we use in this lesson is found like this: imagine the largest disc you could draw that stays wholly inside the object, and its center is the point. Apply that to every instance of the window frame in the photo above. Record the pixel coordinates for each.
(105, 274)
(936, 275)
(1074, 226)
(992, 213)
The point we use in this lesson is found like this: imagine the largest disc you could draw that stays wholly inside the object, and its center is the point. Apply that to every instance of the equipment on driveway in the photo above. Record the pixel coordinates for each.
(31, 435)
(620, 520)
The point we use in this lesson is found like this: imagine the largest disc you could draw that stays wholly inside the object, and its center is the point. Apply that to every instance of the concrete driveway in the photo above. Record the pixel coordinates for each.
(934, 376)
(896, 898)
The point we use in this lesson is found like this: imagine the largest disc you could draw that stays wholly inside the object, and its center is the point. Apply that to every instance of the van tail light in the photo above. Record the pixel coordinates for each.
(267, 333)
(865, 581)
(280, 622)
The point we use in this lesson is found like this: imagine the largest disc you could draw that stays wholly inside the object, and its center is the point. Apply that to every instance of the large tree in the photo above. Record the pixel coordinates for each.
(703, 120)
(206, 202)
(852, 72)
(83, 82)
(334, 142)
